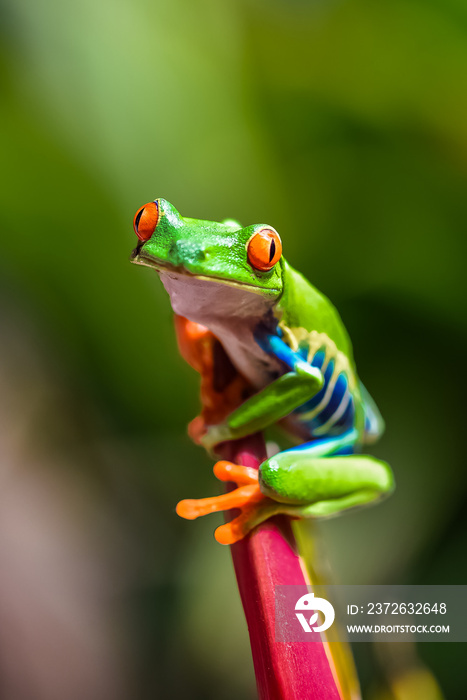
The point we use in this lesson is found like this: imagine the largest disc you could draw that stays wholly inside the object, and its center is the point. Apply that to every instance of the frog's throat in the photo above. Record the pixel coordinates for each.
(232, 314)
(231, 311)
(139, 258)
(202, 298)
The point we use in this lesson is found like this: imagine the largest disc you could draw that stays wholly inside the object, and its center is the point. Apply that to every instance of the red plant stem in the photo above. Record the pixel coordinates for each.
(266, 558)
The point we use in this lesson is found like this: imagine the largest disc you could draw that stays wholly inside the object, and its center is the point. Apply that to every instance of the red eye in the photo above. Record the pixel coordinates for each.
(264, 249)
(145, 221)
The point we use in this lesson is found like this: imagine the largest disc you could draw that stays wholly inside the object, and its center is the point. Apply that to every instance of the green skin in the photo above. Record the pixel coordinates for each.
(205, 268)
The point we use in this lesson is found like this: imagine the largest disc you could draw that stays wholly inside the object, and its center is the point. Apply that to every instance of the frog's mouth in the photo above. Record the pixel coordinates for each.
(139, 257)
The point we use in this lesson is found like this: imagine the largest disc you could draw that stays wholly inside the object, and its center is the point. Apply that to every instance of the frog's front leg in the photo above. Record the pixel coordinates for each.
(272, 403)
(310, 481)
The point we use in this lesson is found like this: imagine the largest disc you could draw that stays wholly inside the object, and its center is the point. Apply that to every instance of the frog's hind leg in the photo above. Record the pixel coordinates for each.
(323, 478)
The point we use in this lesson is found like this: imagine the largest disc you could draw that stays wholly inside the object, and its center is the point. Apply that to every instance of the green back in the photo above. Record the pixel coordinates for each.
(303, 306)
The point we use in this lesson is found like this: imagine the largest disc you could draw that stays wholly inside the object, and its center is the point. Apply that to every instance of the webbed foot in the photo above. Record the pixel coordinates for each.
(254, 506)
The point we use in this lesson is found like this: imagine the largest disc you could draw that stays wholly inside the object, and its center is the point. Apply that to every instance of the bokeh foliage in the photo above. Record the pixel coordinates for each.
(341, 123)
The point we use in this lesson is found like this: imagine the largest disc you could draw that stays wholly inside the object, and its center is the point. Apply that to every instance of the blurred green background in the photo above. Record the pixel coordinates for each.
(341, 123)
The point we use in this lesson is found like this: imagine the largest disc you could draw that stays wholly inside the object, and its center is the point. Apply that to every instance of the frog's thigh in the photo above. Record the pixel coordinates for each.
(304, 476)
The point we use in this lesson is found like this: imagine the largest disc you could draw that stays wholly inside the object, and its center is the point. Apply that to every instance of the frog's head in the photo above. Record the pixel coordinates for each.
(213, 272)
(193, 254)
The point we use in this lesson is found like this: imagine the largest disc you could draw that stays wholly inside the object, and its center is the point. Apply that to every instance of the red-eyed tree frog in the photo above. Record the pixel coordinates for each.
(270, 348)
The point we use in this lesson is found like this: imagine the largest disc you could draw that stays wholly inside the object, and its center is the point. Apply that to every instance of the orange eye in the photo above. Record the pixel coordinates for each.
(264, 249)
(145, 221)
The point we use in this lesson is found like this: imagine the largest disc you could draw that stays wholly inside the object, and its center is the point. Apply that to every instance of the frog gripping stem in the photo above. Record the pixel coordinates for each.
(254, 506)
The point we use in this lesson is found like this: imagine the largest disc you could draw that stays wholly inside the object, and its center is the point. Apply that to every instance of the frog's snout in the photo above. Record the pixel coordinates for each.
(135, 252)
(188, 251)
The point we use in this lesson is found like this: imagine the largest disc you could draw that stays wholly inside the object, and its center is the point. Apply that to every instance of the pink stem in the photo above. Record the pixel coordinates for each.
(267, 558)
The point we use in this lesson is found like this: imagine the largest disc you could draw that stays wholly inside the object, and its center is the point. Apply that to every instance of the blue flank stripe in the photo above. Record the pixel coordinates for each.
(309, 405)
(275, 345)
(334, 402)
(318, 359)
(347, 419)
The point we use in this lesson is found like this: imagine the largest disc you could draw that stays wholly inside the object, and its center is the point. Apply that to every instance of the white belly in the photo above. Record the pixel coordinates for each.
(230, 313)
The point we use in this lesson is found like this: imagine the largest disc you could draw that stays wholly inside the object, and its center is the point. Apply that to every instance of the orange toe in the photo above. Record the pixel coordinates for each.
(194, 508)
(232, 532)
(228, 471)
(254, 506)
